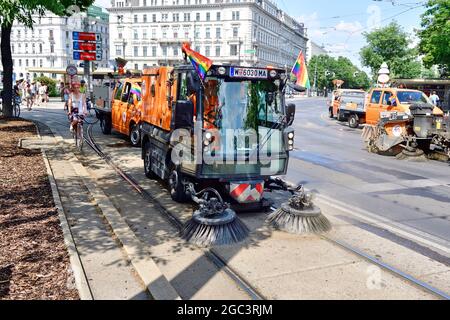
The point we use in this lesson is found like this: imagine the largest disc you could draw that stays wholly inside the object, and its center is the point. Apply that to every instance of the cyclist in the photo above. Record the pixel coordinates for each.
(77, 106)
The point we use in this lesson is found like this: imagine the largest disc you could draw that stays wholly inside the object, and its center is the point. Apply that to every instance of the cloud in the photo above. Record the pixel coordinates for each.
(349, 27)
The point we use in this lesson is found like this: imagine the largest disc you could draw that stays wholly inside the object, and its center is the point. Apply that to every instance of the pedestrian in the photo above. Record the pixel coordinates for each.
(66, 94)
(29, 96)
(41, 98)
(83, 88)
(434, 99)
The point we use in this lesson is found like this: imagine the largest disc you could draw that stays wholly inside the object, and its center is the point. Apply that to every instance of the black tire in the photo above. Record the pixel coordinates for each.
(105, 125)
(177, 189)
(330, 113)
(135, 135)
(148, 161)
(340, 116)
(353, 121)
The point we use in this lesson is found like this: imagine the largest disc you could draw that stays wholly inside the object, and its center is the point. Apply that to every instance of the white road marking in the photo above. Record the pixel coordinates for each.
(401, 185)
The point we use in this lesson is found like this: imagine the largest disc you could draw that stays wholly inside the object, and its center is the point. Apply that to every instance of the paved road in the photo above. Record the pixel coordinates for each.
(331, 159)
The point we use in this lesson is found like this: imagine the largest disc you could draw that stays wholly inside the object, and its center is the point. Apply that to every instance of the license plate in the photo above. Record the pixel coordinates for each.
(248, 73)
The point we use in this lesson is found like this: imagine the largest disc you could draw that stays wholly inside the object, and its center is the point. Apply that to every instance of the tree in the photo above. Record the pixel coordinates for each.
(435, 34)
(323, 66)
(23, 11)
(391, 45)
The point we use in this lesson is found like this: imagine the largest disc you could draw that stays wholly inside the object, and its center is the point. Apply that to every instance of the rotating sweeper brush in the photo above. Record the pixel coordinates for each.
(214, 223)
(299, 215)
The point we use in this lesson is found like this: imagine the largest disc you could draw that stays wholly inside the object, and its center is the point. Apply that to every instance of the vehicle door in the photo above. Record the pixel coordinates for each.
(115, 108)
(373, 107)
(386, 104)
(124, 106)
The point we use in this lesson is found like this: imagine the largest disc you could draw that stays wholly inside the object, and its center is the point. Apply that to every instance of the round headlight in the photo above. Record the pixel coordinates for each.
(273, 73)
(291, 142)
(291, 135)
(208, 136)
(222, 70)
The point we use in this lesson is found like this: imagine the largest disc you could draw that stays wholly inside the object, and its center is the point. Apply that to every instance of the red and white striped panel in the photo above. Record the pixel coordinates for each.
(247, 192)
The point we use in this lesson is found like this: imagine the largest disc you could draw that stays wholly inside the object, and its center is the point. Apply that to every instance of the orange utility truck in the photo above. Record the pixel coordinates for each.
(348, 105)
(123, 112)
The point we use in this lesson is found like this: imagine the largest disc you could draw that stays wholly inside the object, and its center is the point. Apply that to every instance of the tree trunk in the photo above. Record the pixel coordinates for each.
(5, 47)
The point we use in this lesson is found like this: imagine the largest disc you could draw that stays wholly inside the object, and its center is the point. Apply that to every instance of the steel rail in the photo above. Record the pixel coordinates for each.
(210, 254)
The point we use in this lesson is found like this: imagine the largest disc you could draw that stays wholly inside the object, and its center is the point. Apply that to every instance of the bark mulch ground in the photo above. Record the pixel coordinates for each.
(34, 263)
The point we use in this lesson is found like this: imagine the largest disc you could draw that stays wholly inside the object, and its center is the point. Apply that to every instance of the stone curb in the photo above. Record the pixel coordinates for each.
(81, 282)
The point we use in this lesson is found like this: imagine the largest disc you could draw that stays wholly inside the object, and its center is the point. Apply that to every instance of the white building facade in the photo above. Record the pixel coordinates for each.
(313, 49)
(49, 45)
(246, 32)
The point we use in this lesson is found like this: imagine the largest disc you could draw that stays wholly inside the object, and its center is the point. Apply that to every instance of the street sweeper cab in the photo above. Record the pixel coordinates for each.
(404, 123)
(229, 131)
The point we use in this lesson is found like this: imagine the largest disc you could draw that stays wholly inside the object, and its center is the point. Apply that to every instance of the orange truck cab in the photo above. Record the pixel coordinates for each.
(124, 112)
(387, 100)
(348, 105)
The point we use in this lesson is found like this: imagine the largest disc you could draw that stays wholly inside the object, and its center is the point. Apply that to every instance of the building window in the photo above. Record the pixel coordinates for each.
(218, 16)
(144, 18)
(218, 33)
(135, 34)
(20, 62)
(235, 32)
(144, 34)
(164, 50)
(197, 16)
(207, 50)
(52, 48)
(135, 18)
(208, 33)
(136, 51)
(217, 51)
(208, 16)
(154, 17)
(154, 51)
(12, 48)
(233, 50)
(235, 15)
(118, 50)
(144, 51)
(175, 52)
(176, 17)
(187, 17)
(26, 62)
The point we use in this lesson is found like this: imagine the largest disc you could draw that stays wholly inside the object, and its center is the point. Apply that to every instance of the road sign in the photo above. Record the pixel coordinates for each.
(87, 56)
(84, 46)
(71, 70)
(84, 36)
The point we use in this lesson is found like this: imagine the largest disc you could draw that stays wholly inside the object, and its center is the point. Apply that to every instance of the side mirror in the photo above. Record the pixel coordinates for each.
(295, 87)
(290, 114)
(193, 82)
(183, 115)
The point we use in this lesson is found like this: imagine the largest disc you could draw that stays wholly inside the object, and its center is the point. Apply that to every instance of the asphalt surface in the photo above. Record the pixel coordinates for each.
(330, 158)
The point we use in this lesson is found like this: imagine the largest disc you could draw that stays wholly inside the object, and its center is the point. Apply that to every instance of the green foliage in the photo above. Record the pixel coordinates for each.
(342, 68)
(435, 34)
(391, 45)
(50, 83)
(23, 10)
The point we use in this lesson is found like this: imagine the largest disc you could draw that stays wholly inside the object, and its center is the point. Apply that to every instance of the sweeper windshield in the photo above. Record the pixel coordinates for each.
(247, 118)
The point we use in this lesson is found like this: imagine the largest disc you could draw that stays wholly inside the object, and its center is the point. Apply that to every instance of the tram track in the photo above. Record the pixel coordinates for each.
(210, 254)
(215, 258)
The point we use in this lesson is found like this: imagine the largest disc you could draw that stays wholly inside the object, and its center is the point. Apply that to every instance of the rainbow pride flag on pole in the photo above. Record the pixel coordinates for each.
(136, 89)
(200, 63)
(301, 72)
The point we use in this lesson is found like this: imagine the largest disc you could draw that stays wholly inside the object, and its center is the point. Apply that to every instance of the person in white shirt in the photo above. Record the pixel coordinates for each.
(434, 99)
(77, 105)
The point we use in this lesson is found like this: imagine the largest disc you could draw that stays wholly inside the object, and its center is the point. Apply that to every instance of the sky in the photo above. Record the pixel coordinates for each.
(338, 24)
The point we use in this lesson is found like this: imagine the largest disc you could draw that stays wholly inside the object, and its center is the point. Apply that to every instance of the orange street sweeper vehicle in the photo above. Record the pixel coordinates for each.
(231, 131)
(404, 123)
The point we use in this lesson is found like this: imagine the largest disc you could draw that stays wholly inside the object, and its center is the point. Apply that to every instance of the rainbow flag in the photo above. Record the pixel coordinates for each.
(200, 63)
(301, 72)
(136, 89)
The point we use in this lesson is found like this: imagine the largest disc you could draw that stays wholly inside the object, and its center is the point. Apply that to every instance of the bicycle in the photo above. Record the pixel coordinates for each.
(17, 101)
(78, 133)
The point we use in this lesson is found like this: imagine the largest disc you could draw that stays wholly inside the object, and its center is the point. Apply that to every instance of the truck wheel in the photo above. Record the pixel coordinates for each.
(340, 116)
(148, 161)
(353, 121)
(135, 136)
(105, 125)
(330, 113)
(177, 189)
